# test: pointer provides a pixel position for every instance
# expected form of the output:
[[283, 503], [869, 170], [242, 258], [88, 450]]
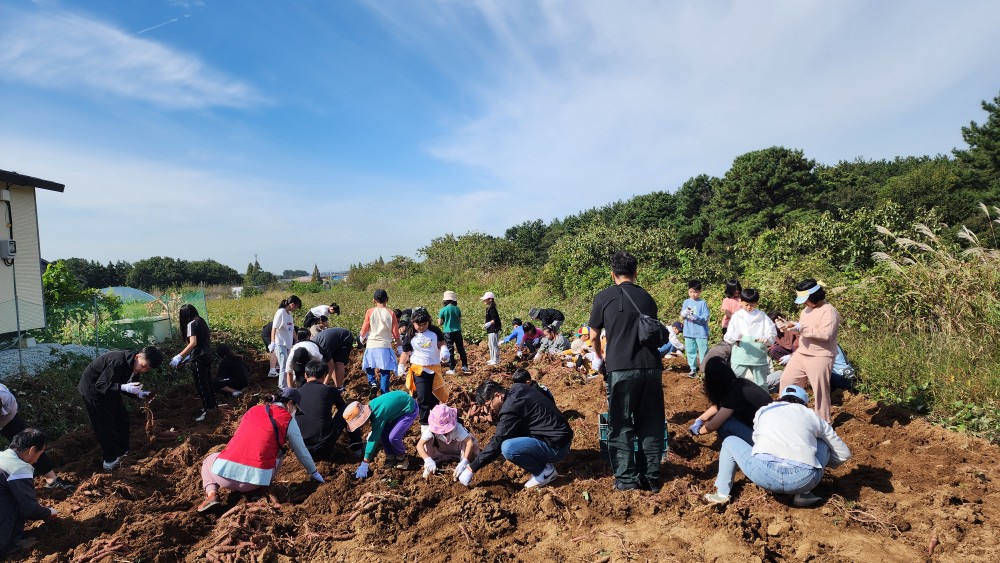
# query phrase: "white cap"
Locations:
[[487, 295]]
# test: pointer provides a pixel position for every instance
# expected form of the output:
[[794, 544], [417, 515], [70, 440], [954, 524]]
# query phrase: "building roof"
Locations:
[[30, 181]]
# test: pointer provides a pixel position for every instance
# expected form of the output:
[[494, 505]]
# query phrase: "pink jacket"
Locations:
[[819, 331]]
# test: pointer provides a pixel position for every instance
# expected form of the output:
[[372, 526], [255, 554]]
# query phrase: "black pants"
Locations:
[[425, 395], [110, 421], [454, 340], [201, 370], [322, 447], [635, 413], [16, 425]]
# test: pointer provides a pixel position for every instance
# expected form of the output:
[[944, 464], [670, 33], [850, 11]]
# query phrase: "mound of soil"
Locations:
[[912, 492]]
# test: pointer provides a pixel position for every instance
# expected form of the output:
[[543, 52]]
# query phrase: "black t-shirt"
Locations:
[[549, 316], [616, 315], [745, 398], [335, 344], [199, 329], [265, 333], [234, 372], [315, 417]]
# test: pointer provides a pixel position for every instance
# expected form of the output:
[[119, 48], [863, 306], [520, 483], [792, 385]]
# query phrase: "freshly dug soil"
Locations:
[[912, 492]]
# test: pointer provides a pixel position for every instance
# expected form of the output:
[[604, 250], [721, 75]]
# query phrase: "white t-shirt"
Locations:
[[310, 346], [284, 326], [458, 434], [425, 349], [320, 311]]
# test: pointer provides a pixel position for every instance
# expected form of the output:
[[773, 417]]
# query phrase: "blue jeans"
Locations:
[[768, 475], [382, 382], [531, 454], [696, 349], [733, 427], [666, 349]]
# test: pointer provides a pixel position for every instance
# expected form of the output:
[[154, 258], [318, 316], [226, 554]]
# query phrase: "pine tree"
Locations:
[[315, 276]]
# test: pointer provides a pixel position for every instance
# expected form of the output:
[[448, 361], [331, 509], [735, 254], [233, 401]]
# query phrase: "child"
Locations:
[[301, 353], [424, 348], [443, 439], [450, 319], [532, 338], [492, 327], [392, 415], [233, 375], [785, 343], [265, 335], [673, 344], [316, 314], [195, 332], [695, 315], [581, 351], [751, 332], [379, 331], [283, 333], [516, 334], [730, 302]]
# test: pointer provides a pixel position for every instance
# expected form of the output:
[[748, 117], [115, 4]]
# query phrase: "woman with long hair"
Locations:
[[734, 401], [194, 331], [283, 333]]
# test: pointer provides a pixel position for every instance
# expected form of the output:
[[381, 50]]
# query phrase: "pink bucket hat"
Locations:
[[442, 419]]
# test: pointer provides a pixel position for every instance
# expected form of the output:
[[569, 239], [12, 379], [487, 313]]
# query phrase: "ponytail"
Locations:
[[290, 300]]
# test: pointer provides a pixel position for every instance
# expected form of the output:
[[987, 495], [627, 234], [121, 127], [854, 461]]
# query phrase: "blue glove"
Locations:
[[317, 477], [362, 472], [696, 427]]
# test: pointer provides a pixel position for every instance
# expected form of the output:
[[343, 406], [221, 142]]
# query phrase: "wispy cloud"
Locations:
[[602, 100], [65, 51]]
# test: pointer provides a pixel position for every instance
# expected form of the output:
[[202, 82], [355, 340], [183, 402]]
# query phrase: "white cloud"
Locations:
[[600, 99], [64, 51]]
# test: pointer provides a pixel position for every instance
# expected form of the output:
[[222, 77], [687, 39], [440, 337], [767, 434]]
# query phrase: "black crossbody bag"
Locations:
[[651, 331]]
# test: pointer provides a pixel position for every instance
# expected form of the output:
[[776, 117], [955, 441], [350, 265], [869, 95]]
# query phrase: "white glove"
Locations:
[[132, 388], [462, 466], [487, 325], [362, 472], [429, 467], [445, 355], [597, 364], [317, 477], [144, 394], [52, 511], [784, 359], [270, 347], [465, 477], [176, 361]]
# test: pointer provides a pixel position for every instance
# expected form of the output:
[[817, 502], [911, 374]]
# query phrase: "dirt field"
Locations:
[[912, 492]]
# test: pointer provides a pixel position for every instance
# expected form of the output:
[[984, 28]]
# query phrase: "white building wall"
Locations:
[[29, 277]]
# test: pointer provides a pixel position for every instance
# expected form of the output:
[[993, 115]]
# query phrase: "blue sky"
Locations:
[[337, 132]]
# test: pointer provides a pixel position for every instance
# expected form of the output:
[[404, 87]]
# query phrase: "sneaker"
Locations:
[[450, 372], [273, 372], [60, 484], [693, 374], [594, 375], [716, 498], [110, 465], [236, 393], [623, 486], [651, 486], [402, 462], [201, 417], [372, 391], [547, 476], [466, 370], [391, 460], [209, 502], [805, 499]]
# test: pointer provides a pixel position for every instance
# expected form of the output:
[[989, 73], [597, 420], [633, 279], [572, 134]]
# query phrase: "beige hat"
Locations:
[[449, 296], [356, 414], [487, 295]]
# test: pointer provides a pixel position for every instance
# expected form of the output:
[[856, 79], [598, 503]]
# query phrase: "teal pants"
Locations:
[[696, 348]]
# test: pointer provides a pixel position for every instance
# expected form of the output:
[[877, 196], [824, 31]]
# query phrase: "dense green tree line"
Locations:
[[155, 272], [772, 206]]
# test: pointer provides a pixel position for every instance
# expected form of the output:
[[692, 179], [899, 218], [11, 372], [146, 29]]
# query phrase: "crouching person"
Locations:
[[320, 427], [791, 448], [531, 432], [17, 488], [253, 456], [392, 415], [445, 439]]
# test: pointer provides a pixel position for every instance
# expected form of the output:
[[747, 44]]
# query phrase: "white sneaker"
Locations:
[[273, 372], [491, 363], [548, 475], [450, 372], [110, 465], [236, 393], [201, 417]]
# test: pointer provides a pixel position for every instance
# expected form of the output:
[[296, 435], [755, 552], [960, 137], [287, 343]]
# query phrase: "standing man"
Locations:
[[17, 488], [633, 378], [102, 385]]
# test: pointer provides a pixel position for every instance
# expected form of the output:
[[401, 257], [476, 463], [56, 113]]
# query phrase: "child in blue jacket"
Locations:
[[695, 315]]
